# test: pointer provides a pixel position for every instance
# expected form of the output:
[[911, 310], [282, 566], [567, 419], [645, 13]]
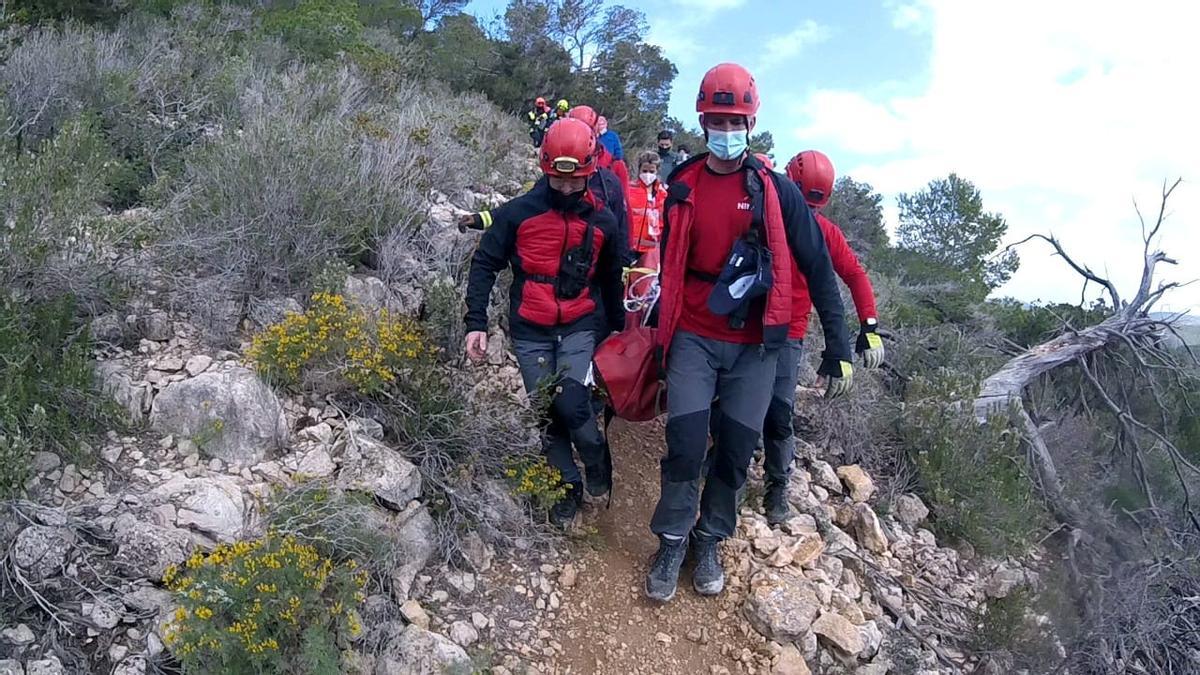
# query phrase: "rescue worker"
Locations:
[[668, 158], [560, 112], [813, 173], [609, 138], [562, 245], [731, 232], [611, 172], [646, 198], [647, 194], [537, 118], [605, 160]]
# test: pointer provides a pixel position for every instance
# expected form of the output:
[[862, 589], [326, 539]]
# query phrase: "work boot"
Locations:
[[599, 476], [564, 510], [709, 577], [775, 504], [663, 577]]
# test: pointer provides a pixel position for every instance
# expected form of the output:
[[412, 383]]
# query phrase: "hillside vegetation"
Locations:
[[249, 166]]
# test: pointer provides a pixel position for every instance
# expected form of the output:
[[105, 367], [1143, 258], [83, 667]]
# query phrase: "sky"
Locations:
[[1064, 113]]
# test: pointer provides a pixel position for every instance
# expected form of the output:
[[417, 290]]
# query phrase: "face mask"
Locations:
[[648, 178], [561, 202], [663, 152], [601, 128], [727, 145]]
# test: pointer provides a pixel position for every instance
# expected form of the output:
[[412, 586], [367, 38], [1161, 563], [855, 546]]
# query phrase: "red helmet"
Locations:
[[585, 114], [569, 149], [766, 161], [813, 172], [728, 88], [540, 102]]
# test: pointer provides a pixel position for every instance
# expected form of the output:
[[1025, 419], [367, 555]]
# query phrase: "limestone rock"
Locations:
[[417, 651], [371, 466], [273, 310], [212, 505], [464, 633], [230, 414], [781, 606], [47, 666], [197, 364], [18, 636], [41, 551], [824, 476], [44, 461], [790, 662], [568, 576], [414, 613], [134, 398], [870, 532], [911, 511], [417, 537], [1003, 581], [316, 464], [857, 481], [839, 632], [11, 667], [146, 550], [369, 293], [155, 326], [147, 599]]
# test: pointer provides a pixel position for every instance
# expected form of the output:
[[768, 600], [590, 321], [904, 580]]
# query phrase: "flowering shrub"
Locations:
[[269, 605], [368, 351], [537, 480]]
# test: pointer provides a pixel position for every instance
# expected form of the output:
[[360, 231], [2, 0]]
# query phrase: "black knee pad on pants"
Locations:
[[735, 447], [572, 404], [778, 424], [687, 439]]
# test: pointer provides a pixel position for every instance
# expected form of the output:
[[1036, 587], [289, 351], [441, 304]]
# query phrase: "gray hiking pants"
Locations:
[[697, 370], [563, 365], [779, 439]]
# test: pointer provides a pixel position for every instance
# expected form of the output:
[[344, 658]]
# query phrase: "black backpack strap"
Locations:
[[754, 188]]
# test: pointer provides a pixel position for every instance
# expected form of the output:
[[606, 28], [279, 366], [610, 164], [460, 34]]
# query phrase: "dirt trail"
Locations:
[[607, 625]]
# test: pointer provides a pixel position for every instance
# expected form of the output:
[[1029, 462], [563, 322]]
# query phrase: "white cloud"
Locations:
[[781, 48], [911, 16], [676, 31], [1061, 113]]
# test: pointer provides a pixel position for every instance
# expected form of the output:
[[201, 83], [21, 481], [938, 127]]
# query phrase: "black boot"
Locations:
[[564, 510], [663, 577], [599, 476], [775, 504], [709, 577]]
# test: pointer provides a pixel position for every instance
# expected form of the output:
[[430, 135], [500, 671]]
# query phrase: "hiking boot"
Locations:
[[599, 476], [564, 510], [663, 577], [775, 504], [709, 577]]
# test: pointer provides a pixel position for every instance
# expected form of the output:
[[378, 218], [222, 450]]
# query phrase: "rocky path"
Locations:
[[607, 624]]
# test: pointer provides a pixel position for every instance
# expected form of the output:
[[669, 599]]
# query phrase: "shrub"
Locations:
[[271, 605], [973, 474], [47, 399], [534, 479], [334, 338], [53, 242]]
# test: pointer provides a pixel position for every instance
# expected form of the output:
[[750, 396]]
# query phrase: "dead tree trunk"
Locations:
[[1130, 324]]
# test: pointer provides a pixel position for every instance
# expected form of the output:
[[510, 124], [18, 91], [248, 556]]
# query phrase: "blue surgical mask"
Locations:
[[727, 144]]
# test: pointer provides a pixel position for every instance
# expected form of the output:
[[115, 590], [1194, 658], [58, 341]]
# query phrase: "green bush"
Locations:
[[54, 242], [272, 605], [973, 475], [47, 398]]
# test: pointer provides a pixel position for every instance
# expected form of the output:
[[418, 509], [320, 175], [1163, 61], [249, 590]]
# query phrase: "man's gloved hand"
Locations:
[[474, 221], [870, 345], [838, 375]]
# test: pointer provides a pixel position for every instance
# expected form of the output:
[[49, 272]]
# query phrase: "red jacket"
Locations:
[[790, 228], [531, 237], [645, 214], [846, 264]]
